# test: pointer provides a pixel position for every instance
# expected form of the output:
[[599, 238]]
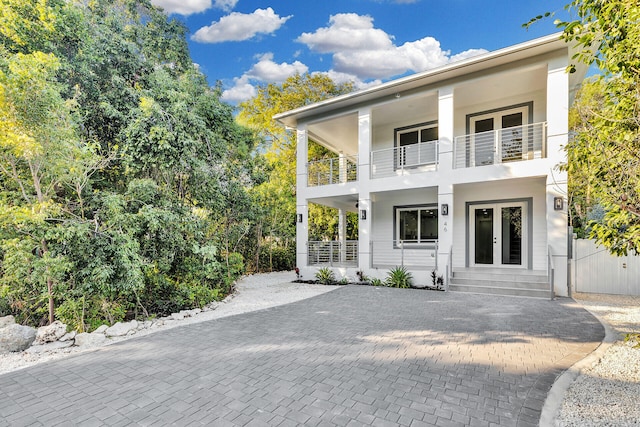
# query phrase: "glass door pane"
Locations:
[[512, 235], [483, 236], [511, 136], [484, 142]]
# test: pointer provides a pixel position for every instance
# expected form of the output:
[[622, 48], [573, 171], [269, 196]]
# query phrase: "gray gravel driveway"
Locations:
[[355, 356]]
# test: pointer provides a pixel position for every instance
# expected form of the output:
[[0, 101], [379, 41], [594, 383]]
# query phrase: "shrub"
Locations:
[[377, 282], [326, 276], [399, 277]]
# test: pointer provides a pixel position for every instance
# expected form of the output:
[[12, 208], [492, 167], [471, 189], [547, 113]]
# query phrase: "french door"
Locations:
[[498, 234], [498, 136]]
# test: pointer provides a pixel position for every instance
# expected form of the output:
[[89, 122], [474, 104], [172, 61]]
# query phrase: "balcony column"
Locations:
[[557, 137], [342, 234], [342, 167], [302, 210], [364, 197], [445, 166]]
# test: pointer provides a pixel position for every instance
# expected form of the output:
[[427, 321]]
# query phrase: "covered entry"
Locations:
[[498, 234]]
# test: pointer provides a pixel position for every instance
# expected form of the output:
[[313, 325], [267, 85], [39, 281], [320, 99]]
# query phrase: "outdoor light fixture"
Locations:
[[299, 217], [363, 214], [558, 203], [444, 209]]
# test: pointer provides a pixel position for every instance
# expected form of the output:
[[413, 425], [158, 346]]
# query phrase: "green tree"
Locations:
[[277, 195], [604, 168]]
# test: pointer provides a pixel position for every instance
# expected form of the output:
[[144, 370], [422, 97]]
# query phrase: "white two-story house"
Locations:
[[453, 169]]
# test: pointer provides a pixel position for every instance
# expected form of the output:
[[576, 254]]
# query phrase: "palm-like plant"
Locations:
[[399, 277]]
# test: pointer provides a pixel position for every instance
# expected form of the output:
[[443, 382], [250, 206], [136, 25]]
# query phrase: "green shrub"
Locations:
[[326, 276], [377, 282], [399, 277], [277, 258]]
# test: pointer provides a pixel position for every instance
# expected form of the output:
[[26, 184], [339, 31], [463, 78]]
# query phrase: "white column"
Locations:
[[364, 199], [445, 188], [342, 234], [302, 210], [557, 136], [342, 165]]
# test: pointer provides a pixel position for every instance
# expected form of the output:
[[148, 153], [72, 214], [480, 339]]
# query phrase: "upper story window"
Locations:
[[416, 144]]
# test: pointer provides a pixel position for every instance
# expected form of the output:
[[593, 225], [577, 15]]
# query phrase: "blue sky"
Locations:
[[244, 43]]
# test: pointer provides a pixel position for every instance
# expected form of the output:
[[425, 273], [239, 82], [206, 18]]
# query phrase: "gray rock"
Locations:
[[6, 321], [68, 336], [51, 333], [177, 316], [145, 325], [100, 329], [50, 346], [16, 338], [121, 329], [86, 340]]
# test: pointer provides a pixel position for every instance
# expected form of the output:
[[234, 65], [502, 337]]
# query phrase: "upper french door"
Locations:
[[498, 234], [498, 136]]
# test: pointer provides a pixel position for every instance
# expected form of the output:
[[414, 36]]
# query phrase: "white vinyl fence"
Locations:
[[595, 270]]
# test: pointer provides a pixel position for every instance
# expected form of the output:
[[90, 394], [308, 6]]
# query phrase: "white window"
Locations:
[[416, 224]]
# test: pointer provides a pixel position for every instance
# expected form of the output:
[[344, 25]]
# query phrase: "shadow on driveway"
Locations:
[[358, 356]]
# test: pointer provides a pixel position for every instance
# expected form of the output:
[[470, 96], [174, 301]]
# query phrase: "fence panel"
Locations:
[[597, 271]]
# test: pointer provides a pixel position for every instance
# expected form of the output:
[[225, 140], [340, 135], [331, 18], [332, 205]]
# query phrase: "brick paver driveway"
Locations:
[[355, 356]]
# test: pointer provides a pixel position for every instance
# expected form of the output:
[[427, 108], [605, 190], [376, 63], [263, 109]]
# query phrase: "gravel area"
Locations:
[[254, 292], [607, 393]]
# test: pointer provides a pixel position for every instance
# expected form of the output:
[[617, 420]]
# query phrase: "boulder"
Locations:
[[87, 340], [68, 336], [16, 338], [50, 346], [51, 333], [6, 321], [177, 316], [121, 329], [100, 329]]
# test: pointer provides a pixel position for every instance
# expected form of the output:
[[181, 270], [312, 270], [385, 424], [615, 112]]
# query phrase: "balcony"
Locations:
[[332, 171], [518, 143], [409, 159], [333, 253], [412, 255]]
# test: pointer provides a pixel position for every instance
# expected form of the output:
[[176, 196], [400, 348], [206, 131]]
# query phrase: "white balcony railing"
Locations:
[[333, 253], [414, 158], [332, 171], [413, 255], [512, 144]]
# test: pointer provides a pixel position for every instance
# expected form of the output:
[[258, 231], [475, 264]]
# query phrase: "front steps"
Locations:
[[514, 282]]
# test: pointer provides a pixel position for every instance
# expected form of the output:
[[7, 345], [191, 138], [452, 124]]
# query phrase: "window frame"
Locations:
[[419, 244], [418, 127]]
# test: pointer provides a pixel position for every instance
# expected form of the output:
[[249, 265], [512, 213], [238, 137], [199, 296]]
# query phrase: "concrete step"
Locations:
[[495, 281], [492, 290], [501, 283], [502, 275]]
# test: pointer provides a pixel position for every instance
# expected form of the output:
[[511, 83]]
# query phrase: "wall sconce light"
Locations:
[[444, 209], [558, 203], [299, 217], [363, 214]]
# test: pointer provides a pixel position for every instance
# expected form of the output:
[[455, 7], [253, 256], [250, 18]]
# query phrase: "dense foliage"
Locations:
[[275, 229], [603, 162], [126, 183]]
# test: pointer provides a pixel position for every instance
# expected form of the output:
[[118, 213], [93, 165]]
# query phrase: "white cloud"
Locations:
[[240, 26], [267, 70], [361, 50], [339, 78], [183, 7], [467, 54], [226, 5], [241, 91], [347, 31]]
